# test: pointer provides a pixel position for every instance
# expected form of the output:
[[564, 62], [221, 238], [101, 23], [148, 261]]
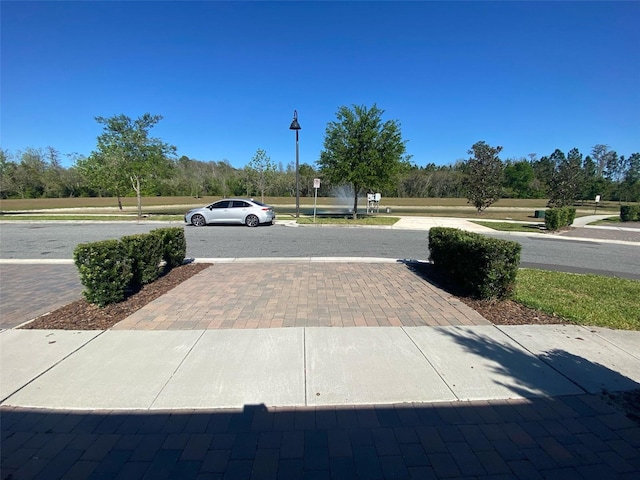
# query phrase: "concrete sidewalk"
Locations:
[[289, 367]]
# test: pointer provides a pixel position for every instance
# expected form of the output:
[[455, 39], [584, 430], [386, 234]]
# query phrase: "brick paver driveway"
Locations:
[[28, 291], [303, 294]]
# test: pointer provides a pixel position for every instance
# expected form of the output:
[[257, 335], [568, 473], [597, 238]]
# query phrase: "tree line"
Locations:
[[360, 150]]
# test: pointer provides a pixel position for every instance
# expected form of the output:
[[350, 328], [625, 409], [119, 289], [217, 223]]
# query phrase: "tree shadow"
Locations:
[[531, 375]]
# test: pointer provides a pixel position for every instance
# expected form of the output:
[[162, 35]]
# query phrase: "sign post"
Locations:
[[316, 186], [597, 201]]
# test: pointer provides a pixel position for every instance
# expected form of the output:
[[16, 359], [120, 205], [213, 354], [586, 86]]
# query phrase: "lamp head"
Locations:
[[294, 124]]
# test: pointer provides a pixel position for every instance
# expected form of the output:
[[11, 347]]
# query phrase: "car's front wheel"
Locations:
[[252, 221], [198, 220]]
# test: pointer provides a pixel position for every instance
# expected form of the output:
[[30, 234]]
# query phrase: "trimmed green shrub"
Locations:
[[629, 213], [105, 271], [552, 219], [145, 252], [484, 267], [557, 218], [174, 245]]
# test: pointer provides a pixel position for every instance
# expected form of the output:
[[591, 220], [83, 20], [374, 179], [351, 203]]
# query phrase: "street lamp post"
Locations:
[[296, 126]]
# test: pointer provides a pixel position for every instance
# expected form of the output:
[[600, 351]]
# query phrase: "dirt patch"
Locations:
[[508, 312]]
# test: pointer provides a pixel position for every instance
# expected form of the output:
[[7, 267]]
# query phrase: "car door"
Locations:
[[239, 210], [218, 212]]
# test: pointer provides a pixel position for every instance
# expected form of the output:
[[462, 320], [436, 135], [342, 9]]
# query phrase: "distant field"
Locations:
[[401, 203], [159, 207]]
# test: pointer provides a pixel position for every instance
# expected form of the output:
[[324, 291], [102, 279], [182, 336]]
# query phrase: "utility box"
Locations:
[[539, 214]]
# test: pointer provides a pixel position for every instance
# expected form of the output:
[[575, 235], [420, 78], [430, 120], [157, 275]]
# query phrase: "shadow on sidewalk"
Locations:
[[514, 362]]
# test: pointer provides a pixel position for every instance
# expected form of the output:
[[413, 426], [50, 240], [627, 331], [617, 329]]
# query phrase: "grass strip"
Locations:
[[510, 226], [93, 218], [348, 221], [583, 299]]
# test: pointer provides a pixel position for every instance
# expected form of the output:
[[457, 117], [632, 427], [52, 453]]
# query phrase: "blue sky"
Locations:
[[227, 76]]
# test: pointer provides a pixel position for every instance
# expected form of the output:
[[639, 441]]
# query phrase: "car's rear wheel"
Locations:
[[198, 220], [252, 221]]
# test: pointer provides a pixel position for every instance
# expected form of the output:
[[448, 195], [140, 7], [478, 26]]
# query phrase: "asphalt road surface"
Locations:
[[57, 241]]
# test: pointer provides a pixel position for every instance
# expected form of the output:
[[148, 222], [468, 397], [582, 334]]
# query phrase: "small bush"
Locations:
[[552, 219], [105, 271], [630, 213], [557, 218], [484, 267], [174, 245]]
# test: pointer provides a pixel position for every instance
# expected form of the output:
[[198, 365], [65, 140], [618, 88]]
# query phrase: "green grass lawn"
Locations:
[[583, 299], [510, 226]]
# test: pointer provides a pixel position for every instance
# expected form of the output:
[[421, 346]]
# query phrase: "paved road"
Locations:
[[57, 241]]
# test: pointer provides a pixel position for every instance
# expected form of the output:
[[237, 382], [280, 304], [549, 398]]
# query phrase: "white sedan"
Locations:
[[232, 210]]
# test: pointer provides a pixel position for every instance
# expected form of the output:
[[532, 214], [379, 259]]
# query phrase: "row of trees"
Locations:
[[360, 150], [561, 178]]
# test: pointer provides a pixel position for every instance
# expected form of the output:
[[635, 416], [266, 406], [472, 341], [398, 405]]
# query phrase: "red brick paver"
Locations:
[[564, 437], [310, 294], [28, 291]]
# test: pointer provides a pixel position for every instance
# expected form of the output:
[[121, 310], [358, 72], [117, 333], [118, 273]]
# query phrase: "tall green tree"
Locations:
[[483, 175], [126, 153], [631, 183], [362, 150], [518, 178], [568, 178], [261, 172]]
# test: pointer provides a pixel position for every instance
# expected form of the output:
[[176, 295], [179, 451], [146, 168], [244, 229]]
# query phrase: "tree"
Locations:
[[260, 172], [126, 153], [483, 175], [7, 174], [307, 174], [54, 174], [363, 151], [568, 178], [29, 174], [518, 178], [631, 183], [605, 160], [592, 184], [543, 169]]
